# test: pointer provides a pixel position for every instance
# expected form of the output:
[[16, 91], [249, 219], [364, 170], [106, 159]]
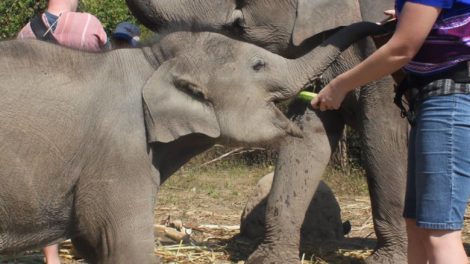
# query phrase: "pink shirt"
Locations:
[[75, 30]]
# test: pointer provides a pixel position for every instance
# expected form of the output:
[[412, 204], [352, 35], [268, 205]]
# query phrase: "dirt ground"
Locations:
[[210, 202]]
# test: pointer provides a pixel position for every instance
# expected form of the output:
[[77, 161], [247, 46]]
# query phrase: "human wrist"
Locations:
[[338, 84]]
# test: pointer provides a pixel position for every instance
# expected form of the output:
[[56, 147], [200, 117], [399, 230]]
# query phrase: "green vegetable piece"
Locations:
[[306, 96]]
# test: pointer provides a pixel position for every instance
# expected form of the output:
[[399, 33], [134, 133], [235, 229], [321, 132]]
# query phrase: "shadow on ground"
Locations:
[[347, 251]]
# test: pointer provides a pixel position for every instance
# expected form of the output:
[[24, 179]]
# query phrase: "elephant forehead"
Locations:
[[220, 50], [202, 46]]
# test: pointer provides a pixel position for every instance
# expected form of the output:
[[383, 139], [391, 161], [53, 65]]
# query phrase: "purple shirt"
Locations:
[[436, 3], [448, 43]]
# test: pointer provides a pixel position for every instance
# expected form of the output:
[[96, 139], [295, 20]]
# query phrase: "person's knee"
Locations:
[[439, 238]]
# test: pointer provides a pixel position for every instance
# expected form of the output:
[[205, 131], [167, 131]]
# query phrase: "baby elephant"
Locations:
[[87, 138]]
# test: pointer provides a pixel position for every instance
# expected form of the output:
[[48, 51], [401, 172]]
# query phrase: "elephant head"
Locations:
[[213, 85], [280, 26]]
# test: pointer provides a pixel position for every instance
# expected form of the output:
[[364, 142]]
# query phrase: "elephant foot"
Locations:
[[266, 254], [388, 256]]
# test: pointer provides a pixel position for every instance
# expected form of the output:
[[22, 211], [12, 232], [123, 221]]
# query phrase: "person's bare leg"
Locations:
[[51, 253], [444, 246], [416, 249]]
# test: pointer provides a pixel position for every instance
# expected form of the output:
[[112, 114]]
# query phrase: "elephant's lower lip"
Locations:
[[284, 123]]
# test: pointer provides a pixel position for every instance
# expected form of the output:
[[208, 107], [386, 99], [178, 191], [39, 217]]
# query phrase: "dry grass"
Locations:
[[216, 194]]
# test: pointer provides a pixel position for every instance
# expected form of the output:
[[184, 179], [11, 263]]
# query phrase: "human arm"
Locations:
[[415, 23]]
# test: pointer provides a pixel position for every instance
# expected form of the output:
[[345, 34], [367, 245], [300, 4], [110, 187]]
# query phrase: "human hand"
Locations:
[[391, 13], [329, 98]]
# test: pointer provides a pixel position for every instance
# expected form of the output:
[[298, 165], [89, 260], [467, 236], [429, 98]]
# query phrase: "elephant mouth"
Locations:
[[280, 119]]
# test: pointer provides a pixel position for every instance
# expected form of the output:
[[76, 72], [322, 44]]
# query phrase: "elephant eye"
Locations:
[[258, 64]]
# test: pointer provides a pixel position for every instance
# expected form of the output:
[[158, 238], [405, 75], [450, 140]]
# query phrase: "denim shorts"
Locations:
[[438, 186]]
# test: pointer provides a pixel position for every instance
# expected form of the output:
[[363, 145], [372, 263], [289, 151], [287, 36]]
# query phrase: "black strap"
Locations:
[[41, 31], [406, 86], [407, 92]]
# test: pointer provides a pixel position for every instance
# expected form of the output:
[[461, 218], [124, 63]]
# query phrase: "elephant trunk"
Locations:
[[306, 69], [197, 15]]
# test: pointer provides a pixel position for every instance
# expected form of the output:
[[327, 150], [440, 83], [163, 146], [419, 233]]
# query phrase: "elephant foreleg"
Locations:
[[114, 221], [384, 135], [299, 168]]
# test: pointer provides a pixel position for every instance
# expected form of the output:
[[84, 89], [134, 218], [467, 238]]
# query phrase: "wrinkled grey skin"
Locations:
[[87, 138], [291, 28]]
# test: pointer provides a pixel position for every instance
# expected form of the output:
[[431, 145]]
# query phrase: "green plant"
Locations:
[[213, 192], [14, 14], [109, 12]]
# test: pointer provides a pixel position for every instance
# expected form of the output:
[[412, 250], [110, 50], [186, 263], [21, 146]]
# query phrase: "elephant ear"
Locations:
[[175, 105], [315, 16]]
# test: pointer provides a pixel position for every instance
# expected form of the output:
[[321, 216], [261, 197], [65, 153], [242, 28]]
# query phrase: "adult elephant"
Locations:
[[291, 28], [87, 138]]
